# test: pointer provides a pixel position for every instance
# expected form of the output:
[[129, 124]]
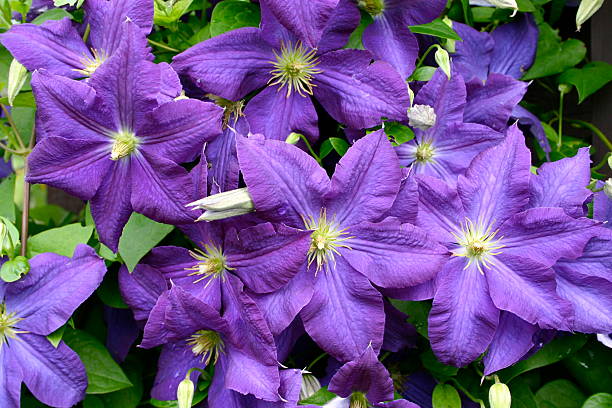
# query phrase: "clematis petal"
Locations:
[[440, 209], [342, 23], [175, 360], [286, 184], [394, 255], [535, 126], [282, 306], [357, 93], [71, 280], [161, 189], [496, 184], [563, 183], [70, 109], [358, 192], [306, 18], [447, 97], [546, 235], [275, 115], [515, 46], [54, 45], [221, 155], [491, 103], [415, 12], [513, 340], [345, 314], [56, 376], [77, 166], [402, 403], [230, 65], [405, 207], [266, 256], [177, 130], [472, 56], [141, 289], [602, 206], [528, 289], [106, 18], [122, 332], [11, 377], [111, 207], [364, 374], [463, 318], [262, 380], [389, 40]]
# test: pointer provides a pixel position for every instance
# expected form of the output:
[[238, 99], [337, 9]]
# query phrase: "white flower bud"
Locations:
[[224, 205], [586, 10], [608, 188], [310, 385], [293, 138], [508, 4], [185, 392], [17, 77], [421, 117], [499, 396]]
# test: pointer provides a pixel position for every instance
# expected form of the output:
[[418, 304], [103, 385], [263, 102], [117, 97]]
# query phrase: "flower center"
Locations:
[[422, 117], [208, 344], [478, 244], [325, 239], [92, 62], [424, 152], [231, 110], [211, 264], [373, 7], [294, 68], [7, 325], [124, 144], [358, 400]]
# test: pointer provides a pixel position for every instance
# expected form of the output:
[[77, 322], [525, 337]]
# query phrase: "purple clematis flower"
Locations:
[[503, 252], [366, 382], [509, 50], [445, 143], [58, 46], [116, 140], [602, 206], [33, 308], [388, 37], [345, 82], [351, 248], [237, 341]]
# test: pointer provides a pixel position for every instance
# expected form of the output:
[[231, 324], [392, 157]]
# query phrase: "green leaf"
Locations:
[[103, 373], [588, 79], [400, 133], [5, 14], [320, 397], [52, 14], [445, 396], [559, 394], [554, 56], [140, 235], [591, 367], [356, 36], [555, 351], [126, 398], [71, 3], [601, 400], [233, 14], [55, 337], [168, 12], [339, 145], [49, 214], [108, 292], [325, 149], [62, 240], [13, 269], [522, 397], [422, 74], [417, 314], [437, 28], [7, 192], [439, 370]]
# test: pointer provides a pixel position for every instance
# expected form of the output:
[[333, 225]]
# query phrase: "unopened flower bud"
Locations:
[[185, 392], [310, 386], [565, 88], [293, 138], [449, 44], [421, 117], [224, 205], [443, 60], [608, 188], [16, 78], [9, 237], [507, 4], [586, 10], [499, 396]]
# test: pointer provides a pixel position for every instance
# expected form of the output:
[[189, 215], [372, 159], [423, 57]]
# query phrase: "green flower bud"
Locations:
[[565, 88], [17, 77], [12, 270], [586, 10], [443, 60], [449, 44], [185, 392], [499, 396], [9, 238], [224, 205], [293, 138], [608, 188]]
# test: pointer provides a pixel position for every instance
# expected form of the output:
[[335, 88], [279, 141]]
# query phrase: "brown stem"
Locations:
[[25, 215]]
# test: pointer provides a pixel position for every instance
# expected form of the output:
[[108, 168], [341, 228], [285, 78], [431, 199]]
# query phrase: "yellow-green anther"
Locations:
[[586, 10], [17, 77], [478, 243], [124, 144], [295, 68], [443, 60], [211, 263], [224, 205], [372, 7], [293, 138], [499, 396], [310, 385], [208, 344], [185, 392], [231, 109], [358, 400], [92, 62], [424, 153], [326, 238], [7, 325]]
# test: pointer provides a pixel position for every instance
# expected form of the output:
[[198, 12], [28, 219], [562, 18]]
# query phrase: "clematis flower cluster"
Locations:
[[285, 252]]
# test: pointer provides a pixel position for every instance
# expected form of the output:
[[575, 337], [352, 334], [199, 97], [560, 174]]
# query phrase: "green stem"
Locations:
[[315, 361], [425, 54], [602, 163], [466, 392], [310, 149], [25, 215], [162, 46], [560, 131], [594, 129], [13, 125]]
